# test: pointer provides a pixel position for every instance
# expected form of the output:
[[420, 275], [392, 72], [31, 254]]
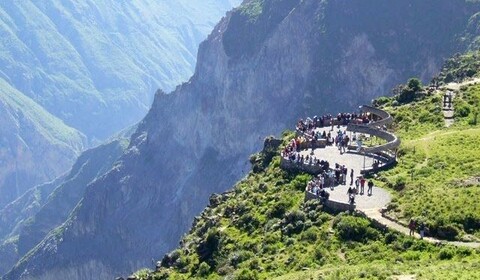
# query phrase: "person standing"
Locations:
[[370, 187], [362, 185], [351, 178], [421, 228], [412, 225]]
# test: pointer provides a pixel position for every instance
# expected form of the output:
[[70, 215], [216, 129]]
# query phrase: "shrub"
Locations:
[[246, 274], [279, 209], [449, 232], [412, 255], [203, 269], [248, 222], [207, 248], [300, 181], [446, 254], [320, 255], [293, 222], [354, 228], [239, 257], [462, 111], [310, 235], [399, 183]]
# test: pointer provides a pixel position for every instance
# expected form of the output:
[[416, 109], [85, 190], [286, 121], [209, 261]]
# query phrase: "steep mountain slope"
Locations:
[[94, 65], [31, 139], [263, 228], [101, 61], [27, 220], [305, 57]]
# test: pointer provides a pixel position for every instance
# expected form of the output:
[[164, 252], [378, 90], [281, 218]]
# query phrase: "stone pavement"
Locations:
[[380, 197]]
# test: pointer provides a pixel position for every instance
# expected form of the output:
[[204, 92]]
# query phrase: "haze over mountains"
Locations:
[[263, 66], [74, 72]]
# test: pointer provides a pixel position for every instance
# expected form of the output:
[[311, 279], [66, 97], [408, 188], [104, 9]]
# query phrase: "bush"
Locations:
[[446, 254], [300, 181], [248, 222], [462, 111], [293, 222], [310, 235], [203, 269], [207, 248], [239, 257], [279, 209], [399, 183], [449, 232], [246, 274], [351, 228]]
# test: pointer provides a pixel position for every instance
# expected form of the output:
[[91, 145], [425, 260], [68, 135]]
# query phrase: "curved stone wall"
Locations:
[[374, 128], [393, 141], [385, 117]]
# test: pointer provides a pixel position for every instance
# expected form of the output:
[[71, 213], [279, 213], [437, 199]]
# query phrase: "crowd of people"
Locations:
[[329, 178], [308, 126], [292, 153]]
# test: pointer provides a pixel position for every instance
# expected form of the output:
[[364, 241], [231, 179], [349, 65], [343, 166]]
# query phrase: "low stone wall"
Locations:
[[393, 141], [332, 205], [385, 117], [387, 160], [318, 144]]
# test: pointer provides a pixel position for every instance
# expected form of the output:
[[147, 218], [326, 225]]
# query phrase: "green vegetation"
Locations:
[[459, 67], [435, 176], [262, 229]]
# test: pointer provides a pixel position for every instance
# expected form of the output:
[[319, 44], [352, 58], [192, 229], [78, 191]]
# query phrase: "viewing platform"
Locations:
[[312, 153]]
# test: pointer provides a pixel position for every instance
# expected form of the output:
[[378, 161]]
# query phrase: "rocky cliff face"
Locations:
[[265, 65], [93, 66]]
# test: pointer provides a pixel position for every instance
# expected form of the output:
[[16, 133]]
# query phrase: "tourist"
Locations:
[[412, 225], [370, 187], [351, 178], [421, 229], [362, 184], [351, 195]]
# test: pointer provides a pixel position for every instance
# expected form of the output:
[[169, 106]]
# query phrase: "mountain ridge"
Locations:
[[196, 141]]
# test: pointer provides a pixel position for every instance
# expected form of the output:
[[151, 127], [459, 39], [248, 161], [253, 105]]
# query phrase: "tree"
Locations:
[[414, 84], [408, 92]]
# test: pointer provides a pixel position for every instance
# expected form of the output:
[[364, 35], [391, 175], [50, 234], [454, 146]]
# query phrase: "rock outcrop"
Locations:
[[288, 59]]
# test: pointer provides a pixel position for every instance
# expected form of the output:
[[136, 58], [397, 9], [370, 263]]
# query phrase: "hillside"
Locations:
[[263, 229], [104, 60], [31, 139], [95, 67], [308, 57]]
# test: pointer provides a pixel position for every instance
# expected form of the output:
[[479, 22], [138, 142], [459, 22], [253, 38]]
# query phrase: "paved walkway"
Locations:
[[369, 205], [379, 198]]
